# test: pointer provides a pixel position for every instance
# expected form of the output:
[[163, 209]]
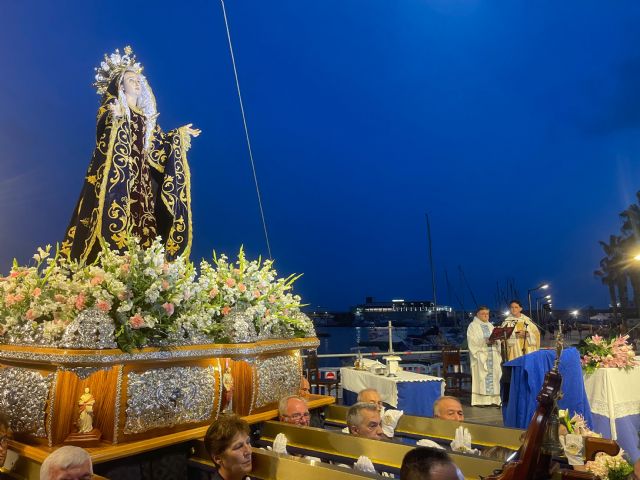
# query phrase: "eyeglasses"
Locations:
[[298, 416]]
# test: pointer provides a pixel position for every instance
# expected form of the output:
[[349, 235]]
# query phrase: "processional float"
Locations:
[[114, 337]]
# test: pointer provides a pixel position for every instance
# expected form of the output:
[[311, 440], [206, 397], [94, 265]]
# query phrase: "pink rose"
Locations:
[[103, 306], [169, 308], [230, 282], [213, 292], [14, 274], [165, 285], [226, 309], [136, 321], [30, 315], [79, 302], [18, 297], [242, 287], [97, 280], [125, 267], [36, 292], [256, 293], [165, 267]]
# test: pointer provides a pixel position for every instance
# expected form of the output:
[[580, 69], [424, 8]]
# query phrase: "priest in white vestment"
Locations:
[[525, 337], [485, 359]]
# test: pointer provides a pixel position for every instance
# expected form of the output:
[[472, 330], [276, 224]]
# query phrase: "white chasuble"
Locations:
[[486, 370]]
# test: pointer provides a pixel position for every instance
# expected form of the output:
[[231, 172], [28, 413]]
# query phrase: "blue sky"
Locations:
[[515, 125]]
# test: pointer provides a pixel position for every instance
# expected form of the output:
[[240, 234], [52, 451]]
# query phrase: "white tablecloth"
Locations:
[[357, 380], [613, 393]]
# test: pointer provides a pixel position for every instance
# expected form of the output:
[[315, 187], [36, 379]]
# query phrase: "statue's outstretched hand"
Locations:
[[116, 109], [194, 132]]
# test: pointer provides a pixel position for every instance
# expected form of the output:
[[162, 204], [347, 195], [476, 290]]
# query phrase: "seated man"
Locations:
[[67, 463], [389, 417], [448, 408], [363, 420], [293, 409], [370, 395], [424, 463], [305, 388]]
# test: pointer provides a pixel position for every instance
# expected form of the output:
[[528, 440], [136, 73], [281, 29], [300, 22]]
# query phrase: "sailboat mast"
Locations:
[[433, 273]]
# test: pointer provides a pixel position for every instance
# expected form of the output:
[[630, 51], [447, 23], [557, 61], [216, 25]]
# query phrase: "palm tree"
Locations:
[[612, 275], [631, 247]]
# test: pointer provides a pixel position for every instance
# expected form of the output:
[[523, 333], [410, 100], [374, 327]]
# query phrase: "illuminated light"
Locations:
[[575, 313], [548, 297], [398, 300], [506, 313], [545, 286], [637, 257]]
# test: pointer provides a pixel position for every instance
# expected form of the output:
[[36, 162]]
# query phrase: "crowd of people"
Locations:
[[228, 438], [228, 442]]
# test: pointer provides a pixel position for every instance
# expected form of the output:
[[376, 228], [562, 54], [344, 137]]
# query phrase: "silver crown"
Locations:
[[114, 65]]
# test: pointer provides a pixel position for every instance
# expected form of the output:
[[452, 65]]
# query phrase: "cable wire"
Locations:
[[246, 130]]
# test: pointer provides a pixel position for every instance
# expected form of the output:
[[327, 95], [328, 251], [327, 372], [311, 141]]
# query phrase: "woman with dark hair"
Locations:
[[138, 181], [228, 443]]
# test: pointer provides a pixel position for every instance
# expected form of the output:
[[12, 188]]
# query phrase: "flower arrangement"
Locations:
[[600, 353], [148, 298], [252, 288], [575, 424], [606, 467]]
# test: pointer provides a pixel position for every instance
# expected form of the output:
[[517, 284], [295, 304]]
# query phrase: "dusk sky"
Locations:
[[515, 125]]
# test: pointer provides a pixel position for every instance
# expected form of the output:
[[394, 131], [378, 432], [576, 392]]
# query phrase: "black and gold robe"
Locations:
[[132, 190]]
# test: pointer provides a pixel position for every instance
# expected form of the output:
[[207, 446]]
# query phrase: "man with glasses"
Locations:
[[293, 409], [370, 395], [389, 417]]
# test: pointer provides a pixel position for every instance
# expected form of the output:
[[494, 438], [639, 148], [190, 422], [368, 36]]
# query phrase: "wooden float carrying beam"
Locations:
[[271, 466], [438, 429], [31, 456], [385, 455]]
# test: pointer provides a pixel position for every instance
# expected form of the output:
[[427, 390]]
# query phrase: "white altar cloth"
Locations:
[[357, 380], [613, 393]]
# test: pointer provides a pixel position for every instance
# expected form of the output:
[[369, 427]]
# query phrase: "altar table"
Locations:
[[614, 396], [527, 377], [412, 392]]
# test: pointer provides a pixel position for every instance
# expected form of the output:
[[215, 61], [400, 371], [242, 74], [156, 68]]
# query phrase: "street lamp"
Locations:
[[542, 286], [544, 299]]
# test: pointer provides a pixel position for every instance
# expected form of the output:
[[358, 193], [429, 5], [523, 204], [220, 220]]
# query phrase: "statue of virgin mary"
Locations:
[[138, 181]]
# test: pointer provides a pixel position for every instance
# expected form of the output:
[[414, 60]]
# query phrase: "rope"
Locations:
[[246, 130]]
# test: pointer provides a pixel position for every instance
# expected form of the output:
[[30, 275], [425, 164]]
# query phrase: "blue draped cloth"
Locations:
[[527, 377]]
